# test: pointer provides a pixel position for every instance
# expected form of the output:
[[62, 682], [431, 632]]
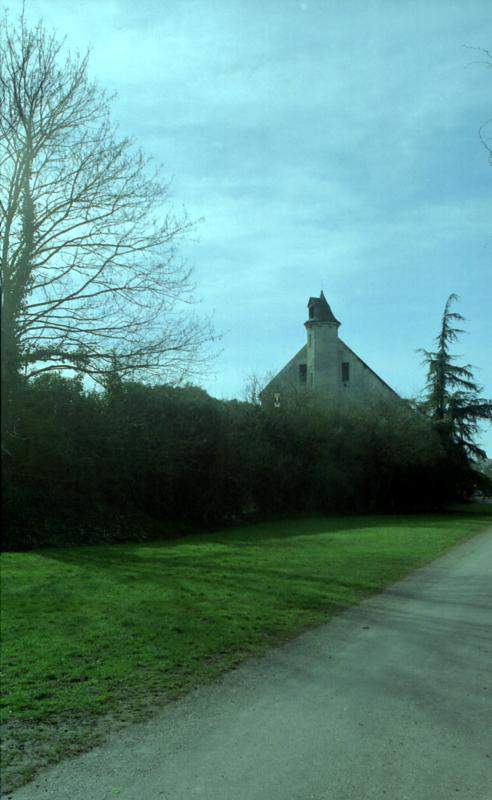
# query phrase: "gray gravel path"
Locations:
[[391, 699]]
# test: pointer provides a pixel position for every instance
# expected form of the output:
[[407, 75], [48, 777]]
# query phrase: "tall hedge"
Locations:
[[138, 461]]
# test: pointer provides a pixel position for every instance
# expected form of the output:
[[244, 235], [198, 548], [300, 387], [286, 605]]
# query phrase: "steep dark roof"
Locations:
[[322, 310]]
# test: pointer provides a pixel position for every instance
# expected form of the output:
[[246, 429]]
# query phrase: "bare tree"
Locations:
[[253, 386], [484, 132], [90, 274]]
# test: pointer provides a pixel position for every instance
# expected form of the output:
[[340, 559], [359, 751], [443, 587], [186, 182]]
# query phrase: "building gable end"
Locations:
[[363, 363]]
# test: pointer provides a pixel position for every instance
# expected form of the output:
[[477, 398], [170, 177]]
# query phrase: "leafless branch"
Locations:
[[89, 261]]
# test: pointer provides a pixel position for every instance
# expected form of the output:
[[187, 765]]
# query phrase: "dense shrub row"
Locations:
[[88, 466]]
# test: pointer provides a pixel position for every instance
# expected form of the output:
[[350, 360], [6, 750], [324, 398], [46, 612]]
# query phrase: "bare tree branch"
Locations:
[[89, 263]]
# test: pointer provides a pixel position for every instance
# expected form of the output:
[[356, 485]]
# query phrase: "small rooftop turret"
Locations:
[[320, 311]]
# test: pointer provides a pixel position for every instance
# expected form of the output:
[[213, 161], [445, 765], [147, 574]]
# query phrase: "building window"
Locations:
[[303, 373], [276, 400], [311, 312], [345, 371]]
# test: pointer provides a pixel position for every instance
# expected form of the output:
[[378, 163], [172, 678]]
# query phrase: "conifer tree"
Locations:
[[452, 396]]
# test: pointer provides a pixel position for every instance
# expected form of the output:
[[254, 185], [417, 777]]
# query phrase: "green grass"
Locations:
[[93, 636]]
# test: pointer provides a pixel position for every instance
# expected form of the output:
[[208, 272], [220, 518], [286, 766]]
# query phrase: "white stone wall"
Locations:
[[322, 355], [287, 381], [363, 383]]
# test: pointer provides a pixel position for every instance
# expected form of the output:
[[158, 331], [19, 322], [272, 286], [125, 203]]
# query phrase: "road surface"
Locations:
[[391, 699]]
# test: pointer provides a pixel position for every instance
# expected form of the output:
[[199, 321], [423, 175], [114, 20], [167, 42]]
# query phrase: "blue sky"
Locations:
[[325, 145]]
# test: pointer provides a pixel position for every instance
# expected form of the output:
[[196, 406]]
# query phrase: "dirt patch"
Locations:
[[30, 745]]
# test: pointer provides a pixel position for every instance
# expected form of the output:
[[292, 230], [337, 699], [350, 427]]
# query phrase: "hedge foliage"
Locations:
[[138, 461]]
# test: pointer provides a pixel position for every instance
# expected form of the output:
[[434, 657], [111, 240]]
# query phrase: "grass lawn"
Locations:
[[94, 637]]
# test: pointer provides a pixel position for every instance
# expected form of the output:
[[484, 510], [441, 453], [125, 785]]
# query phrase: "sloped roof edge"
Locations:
[[369, 368]]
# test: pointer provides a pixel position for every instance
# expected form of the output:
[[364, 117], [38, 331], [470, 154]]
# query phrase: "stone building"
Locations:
[[325, 367]]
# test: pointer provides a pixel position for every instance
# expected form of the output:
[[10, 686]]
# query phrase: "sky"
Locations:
[[325, 144]]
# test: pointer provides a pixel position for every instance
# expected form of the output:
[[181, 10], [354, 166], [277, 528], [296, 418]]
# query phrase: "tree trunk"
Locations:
[[14, 292]]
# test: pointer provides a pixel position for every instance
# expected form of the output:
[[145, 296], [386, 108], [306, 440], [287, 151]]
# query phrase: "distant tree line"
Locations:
[[137, 461]]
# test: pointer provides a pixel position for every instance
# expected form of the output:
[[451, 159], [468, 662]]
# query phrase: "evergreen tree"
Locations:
[[452, 395]]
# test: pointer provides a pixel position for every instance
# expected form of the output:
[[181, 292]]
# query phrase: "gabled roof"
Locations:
[[369, 368]]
